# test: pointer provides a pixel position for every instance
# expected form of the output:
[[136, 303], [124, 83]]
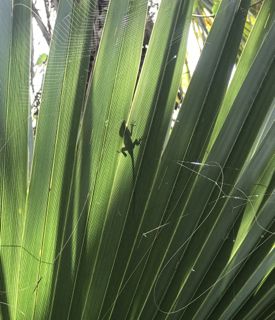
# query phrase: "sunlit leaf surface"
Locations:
[[120, 212]]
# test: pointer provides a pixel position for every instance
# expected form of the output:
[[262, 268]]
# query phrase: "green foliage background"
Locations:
[[192, 237]]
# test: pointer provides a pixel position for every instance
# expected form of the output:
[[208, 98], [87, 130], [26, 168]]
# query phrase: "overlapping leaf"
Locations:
[[185, 229]]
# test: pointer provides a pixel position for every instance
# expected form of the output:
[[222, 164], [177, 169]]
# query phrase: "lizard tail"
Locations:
[[133, 170], [134, 180]]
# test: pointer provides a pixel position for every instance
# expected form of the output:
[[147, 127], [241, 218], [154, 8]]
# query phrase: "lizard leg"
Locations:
[[137, 142], [123, 151]]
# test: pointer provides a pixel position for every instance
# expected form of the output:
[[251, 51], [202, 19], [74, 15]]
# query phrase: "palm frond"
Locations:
[[119, 215]]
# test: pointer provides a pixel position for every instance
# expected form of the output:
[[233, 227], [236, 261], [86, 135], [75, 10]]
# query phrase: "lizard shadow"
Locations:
[[129, 144]]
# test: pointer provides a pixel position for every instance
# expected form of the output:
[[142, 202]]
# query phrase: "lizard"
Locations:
[[129, 144]]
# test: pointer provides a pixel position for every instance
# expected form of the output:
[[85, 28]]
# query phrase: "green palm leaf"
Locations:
[[180, 228]]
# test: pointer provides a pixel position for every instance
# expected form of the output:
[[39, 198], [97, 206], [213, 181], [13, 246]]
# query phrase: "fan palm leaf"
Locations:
[[180, 224]]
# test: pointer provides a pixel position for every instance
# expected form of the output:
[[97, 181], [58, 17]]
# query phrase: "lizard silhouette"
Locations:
[[129, 144]]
